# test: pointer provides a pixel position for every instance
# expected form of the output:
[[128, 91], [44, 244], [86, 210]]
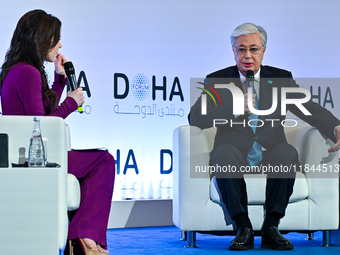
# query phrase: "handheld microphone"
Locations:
[[71, 75], [250, 78], [250, 81]]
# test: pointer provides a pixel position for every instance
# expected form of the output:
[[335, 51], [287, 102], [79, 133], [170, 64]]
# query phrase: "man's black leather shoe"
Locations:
[[272, 239], [244, 240]]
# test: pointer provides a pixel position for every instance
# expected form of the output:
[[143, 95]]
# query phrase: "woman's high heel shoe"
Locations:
[[78, 247], [69, 248], [88, 251]]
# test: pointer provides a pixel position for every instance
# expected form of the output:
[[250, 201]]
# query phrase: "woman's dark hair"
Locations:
[[36, 33]]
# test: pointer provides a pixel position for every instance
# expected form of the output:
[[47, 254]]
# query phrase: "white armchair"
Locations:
[[34, 201], [313, 206]]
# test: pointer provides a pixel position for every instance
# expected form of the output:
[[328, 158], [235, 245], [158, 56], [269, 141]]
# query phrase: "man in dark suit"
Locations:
[[249, 140]]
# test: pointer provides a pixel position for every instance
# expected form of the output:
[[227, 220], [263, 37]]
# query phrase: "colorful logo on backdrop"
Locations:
[[132, 95]]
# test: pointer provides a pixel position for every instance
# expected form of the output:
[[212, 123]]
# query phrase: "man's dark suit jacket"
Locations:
[[271, 133]]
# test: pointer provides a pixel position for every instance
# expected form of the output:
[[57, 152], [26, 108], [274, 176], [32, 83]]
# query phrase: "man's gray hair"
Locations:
[[247, 29]]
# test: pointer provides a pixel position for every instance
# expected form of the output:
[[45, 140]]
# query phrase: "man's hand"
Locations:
[[246, 108], [336, 146]]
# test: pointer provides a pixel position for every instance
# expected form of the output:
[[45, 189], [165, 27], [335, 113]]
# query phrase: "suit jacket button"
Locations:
[[255, 138]]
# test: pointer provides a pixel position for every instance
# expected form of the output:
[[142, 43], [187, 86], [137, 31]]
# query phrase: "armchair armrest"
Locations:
[[187, 188], [321, 170], [43, 189]]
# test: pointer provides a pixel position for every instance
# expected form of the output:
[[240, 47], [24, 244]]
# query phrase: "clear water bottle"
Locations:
[[36, 149]]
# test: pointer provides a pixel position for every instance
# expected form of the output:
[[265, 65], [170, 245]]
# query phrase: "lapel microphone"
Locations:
[[71, 75]]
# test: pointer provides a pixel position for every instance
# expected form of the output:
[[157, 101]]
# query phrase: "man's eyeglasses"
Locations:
[[252, 50]]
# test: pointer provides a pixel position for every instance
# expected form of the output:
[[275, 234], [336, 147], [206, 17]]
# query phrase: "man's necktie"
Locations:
[[255, 154]]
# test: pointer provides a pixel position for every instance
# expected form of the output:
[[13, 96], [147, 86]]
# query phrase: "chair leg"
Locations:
[[326, 238], [191, 236], [310, 236], [184, 236]]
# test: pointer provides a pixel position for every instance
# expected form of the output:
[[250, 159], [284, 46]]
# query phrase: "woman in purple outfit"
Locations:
[[25, 91]]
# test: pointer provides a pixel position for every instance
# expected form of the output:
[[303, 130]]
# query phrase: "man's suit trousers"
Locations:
[[279, 184]]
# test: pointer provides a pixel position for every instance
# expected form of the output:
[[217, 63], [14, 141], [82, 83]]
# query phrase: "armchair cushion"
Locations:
[[256, 187], [73, 193]]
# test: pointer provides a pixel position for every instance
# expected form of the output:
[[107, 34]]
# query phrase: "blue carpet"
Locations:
[[166, 240]]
